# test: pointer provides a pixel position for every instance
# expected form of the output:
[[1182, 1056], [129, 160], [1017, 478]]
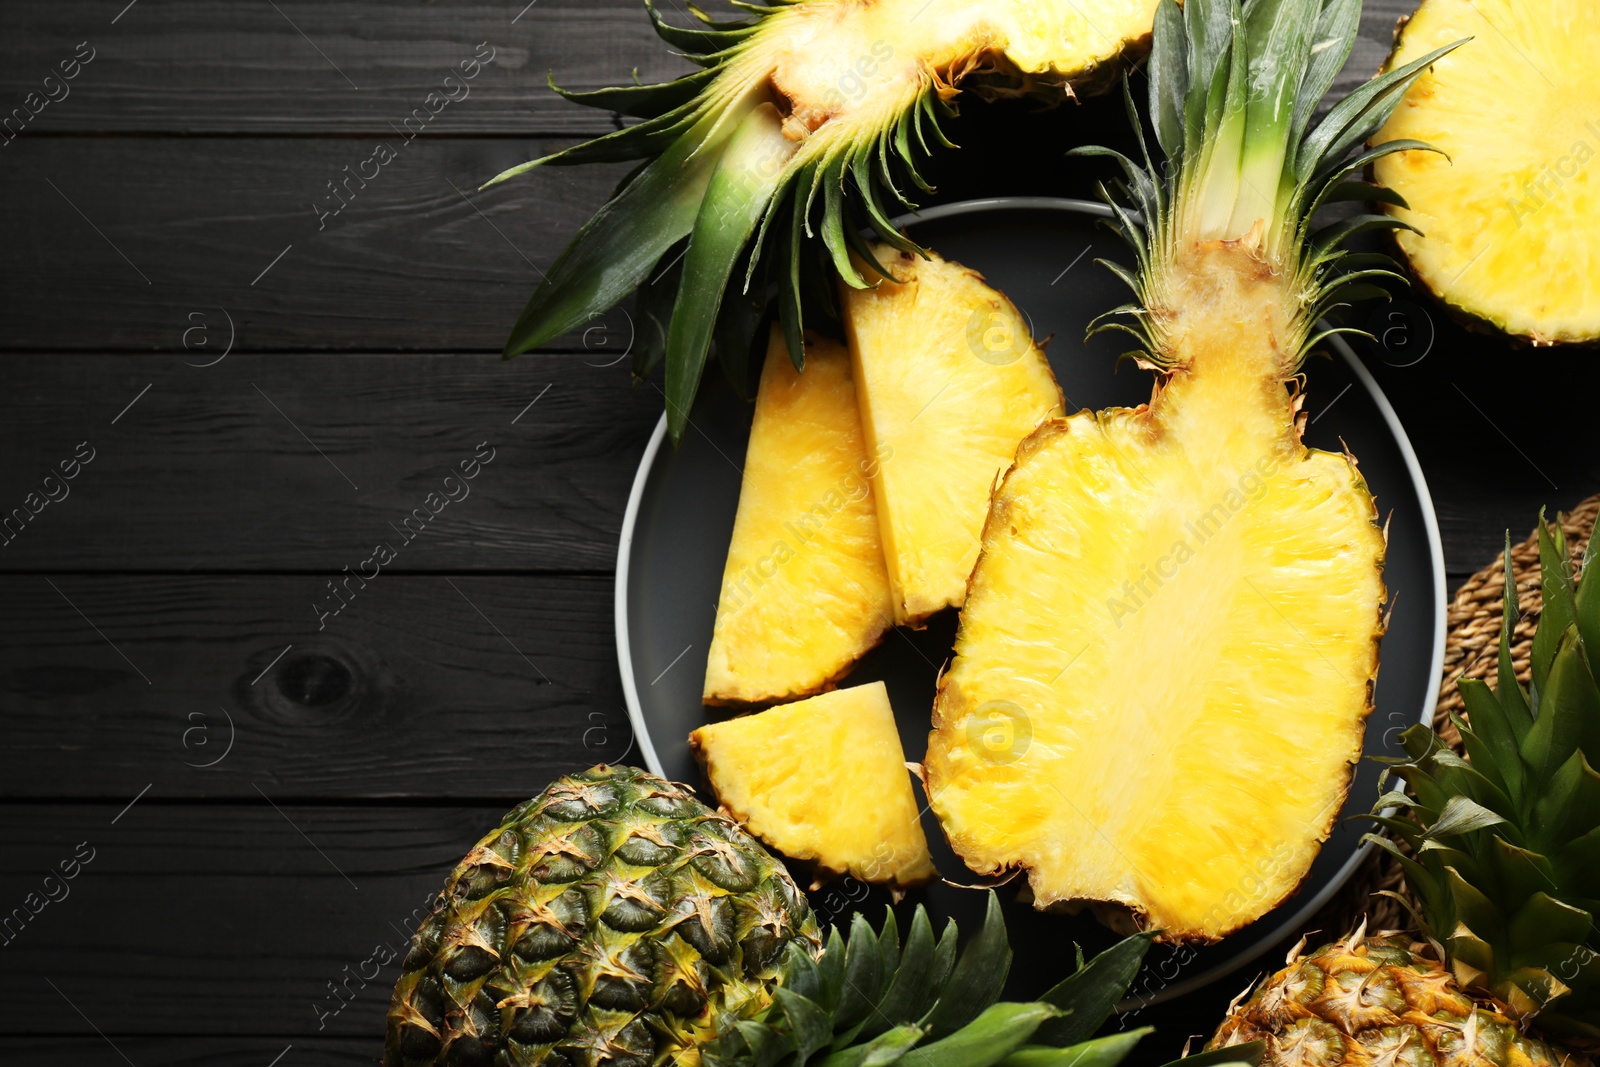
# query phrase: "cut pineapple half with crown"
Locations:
[[1167, 655], [949, 381], [1509, 212], [823, 780], [804, 592]]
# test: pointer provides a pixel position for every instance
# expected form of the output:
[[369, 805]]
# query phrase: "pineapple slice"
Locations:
[[804, 592], [1509, 212], [1167, 655], [949, 381], [823, 780]]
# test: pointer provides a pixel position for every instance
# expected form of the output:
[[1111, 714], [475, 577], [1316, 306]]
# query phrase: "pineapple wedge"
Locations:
[[949, 381], [823, 780], [804, 592]]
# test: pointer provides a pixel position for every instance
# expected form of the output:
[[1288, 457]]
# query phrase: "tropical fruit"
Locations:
[[1509, 211], [1166, 658], [1378, 1000], [950, 380], [823, 780], [1501, 854], [804, 591], [802, 121], [614, 921]]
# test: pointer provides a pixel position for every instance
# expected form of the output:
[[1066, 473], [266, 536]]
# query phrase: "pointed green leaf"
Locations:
[[1507, 689], [988, 1039], [979, 975], [911, 981], [766, 1045], [1087, 997], [750, 171], [1569, 708], [863, 974], [1245, 1054], [1462, 815], [944, 962], [1491, 726], [1105, 1051], [810, 1028], [1559, 610], [642, 101], [888, 1047], [1335, 35], [1541, 921], [1586, 604], [1169, 79]]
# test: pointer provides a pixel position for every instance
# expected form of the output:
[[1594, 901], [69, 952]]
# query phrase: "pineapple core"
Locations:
[[950, 381], [1165, 661], [823, 780], [804, 592]]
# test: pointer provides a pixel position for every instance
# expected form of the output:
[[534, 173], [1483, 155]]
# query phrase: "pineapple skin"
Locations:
[[805, 593], [949, 381], [823, 781], [1264, 629], [612, 920], [1378, 1000]]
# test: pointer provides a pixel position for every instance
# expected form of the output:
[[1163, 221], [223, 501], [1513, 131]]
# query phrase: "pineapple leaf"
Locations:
[[1462, 815], [1559, 610], [979, 975], [912, 978], [810, 1028], [881, 1051], [699, 42], [1247, 1054], [615, 250], [1101, 1052], [735, 330], [641, 101], [863, 974], [1087, 997], [766, 1047], [998, 1031], [1586, 605], [1513, 701], [1493, 729], [1169, 82], [1569, 708], [1474, 910], [1330, 46], [652, 310], [944, 962], [748, 173], [1566, 806]]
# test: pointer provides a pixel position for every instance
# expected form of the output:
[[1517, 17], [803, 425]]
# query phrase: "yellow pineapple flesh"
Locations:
[[1508, 207], [1165, 660], [823, 780], [804, 591], [949, 381]]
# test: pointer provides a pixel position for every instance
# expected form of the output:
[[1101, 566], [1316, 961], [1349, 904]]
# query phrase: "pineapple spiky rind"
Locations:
[[807, 120], [615, 921], [1502, 849]]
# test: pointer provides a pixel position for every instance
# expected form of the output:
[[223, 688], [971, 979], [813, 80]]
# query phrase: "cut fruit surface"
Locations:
[[949, 381], [1509, 214], [1162, 670], [804, 592], [823, 780]]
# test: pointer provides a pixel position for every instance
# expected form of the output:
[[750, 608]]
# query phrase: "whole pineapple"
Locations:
[[615, 921], [1502, 855]]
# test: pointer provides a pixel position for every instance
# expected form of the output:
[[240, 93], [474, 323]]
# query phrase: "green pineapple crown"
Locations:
[[1503, 847], [1233, 92], [868, 1001], [716, 221]]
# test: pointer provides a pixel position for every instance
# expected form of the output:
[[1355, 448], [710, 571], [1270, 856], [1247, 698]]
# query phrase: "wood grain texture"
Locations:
[[418, 258], [190, 67], [421, 687], [302, 462], [196, 67]]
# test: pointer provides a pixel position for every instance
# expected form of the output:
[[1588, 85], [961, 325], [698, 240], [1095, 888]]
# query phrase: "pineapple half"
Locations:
[[823, 780], [806, 119], [804, 591], [1166, 658], [1510, 212], [950, 381]]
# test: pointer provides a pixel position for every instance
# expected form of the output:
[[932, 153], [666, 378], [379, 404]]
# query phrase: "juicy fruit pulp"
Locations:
[[802, 123], [949, 381], [804, 591], [1167, 653], [1376, 1001], [823, 780], [1509, 214], [611, 920], [1163, 667]]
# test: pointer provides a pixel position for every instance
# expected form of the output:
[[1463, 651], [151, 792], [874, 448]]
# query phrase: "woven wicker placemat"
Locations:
[[1472, 646]]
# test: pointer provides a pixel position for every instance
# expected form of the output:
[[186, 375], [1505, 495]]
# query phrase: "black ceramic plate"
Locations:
[[1041, 253]]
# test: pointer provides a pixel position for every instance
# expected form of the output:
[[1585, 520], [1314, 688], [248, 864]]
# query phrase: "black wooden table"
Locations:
[[257, 368]]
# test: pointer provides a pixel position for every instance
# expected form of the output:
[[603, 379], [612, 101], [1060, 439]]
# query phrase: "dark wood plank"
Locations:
[[179, 67], [302, 462], [197, 67], [421, 687], [184, 1051], [102, 257]]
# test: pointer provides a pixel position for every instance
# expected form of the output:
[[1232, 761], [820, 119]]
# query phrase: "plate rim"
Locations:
[[1419, 483]]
